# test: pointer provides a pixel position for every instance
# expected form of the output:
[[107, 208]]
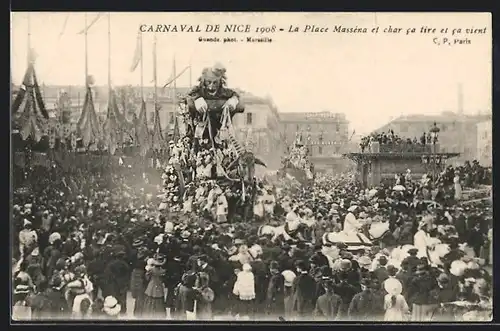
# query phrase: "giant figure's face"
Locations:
[[211, 84]]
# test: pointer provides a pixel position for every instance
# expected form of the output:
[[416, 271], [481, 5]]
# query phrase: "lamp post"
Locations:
[[434, 132]]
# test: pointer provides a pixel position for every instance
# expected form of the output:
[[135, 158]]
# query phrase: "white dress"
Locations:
[[420, 241], [351, 224], [396, 312], [458, 188]]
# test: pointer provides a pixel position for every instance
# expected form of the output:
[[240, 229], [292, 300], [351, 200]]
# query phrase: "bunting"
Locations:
[[137, 53], [142, 131], [88, 126], [111, 126], [29, 107], [157, 138]]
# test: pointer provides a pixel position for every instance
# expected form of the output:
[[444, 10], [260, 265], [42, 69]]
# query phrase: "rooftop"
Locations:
[[447, 116], [312, 116]]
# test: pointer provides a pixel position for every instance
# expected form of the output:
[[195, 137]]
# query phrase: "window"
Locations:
[[337, 127], [320, 150], [298, 127], [249, 118], [337, 149]]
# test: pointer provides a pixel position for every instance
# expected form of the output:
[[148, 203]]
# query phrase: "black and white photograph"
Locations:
[[257, 166]]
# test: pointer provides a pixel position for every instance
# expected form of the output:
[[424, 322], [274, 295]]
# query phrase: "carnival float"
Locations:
[[207, 162], [296, 165]]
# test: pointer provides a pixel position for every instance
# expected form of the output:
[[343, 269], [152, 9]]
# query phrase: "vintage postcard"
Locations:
[[251, 166]]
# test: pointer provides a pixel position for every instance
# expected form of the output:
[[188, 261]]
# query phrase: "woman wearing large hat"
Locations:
[[154, 295], [396, 308], [137, 278]]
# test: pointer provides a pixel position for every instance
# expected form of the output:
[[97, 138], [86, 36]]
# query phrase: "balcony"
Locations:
[[400, 148]]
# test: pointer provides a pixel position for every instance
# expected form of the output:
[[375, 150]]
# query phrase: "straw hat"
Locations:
[[393, 286], [111, 306], [364, 261], [289, 277], [137, 243]]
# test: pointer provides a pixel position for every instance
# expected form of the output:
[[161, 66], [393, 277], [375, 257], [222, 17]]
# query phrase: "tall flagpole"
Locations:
[[174, 98], [109, 51], [155, 80], [86, 56], [462, 120], [29, 40], [142, 69]]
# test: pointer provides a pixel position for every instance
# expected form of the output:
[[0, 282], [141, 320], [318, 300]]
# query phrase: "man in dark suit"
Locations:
[[412, 260], [212, 274], [381, 272], [367, 305], [275, 298], [303, 291], [404, 276], [328, 304]]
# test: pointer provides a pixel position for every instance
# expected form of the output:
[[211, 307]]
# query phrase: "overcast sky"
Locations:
[[369, 77]]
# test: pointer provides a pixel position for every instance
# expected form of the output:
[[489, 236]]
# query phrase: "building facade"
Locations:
[[458, 133], [261, 117], [485, 143], [326, 134]]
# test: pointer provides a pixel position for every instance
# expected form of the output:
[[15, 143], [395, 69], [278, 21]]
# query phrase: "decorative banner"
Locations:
[[326, 143]]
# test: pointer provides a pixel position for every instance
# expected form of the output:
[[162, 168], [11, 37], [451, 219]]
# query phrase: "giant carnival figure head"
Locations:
[[212, 79]]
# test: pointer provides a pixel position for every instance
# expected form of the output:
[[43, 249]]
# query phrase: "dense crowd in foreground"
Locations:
[[86, 240]]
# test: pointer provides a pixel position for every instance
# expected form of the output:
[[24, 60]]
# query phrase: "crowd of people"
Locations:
[[87, 241], [391, 138], [194, 241]]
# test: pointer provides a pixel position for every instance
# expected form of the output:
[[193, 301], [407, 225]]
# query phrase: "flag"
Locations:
[[88, 125], [87, 28], [157, 138], [142, 131], [137, 54], [29, 104], [111, 126], [172, 79]]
